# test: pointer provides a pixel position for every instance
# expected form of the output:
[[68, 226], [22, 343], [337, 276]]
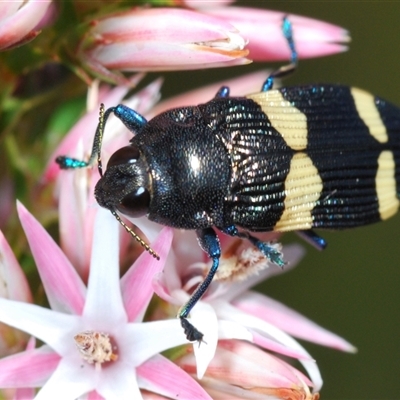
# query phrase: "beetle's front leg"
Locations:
[[209, 242], [268, 249]]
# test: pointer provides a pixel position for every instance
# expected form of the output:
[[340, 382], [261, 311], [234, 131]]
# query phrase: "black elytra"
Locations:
[[288, 159]]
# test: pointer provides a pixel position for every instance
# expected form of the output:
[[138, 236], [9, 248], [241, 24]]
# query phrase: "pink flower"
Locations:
[[240, 371], [228, 310], [163, 39], [94, 338], [18, 20], [160, 39], [262, 29]]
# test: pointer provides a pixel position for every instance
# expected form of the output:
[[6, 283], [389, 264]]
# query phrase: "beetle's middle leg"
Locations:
[[267, 249]]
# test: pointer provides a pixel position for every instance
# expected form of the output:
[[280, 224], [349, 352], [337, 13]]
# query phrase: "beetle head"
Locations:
[[125, 184]]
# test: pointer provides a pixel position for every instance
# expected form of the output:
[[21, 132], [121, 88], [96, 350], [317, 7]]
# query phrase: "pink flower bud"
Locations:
[[161, 39], [18, 20], [263, 30]]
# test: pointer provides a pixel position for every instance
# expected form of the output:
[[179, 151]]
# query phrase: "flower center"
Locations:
[[95, 347]]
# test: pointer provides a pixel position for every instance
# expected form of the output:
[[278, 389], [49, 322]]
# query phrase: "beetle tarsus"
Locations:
[[192, 334], [268, 249], [70, 163]]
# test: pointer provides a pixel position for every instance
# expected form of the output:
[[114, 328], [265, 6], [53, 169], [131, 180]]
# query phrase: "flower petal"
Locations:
[[231, 313], [25, 19], [149, 374], [13, 283], [64, 288], [263, 30], [120, 383], [29, 392], [53, 328], [161, 289], [144, 340], [205, 3], [104, 306], [77, 211], [203, 317], [30, 368], [24, 394], [281, 374], [160, 39], [65, 383], [8, 8], [272, 345], [169, 25], [153, 56], [244, 365], [136, 284], [289, 320], [232, 330]]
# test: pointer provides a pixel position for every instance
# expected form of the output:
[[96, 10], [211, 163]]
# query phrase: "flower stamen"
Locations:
[[95, 347]]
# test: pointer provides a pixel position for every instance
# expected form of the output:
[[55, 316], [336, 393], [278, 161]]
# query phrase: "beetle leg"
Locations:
[[66, 162], [285, 69], [130, 118], [222, 92], [313, 239], [267, 249], [209, 242]]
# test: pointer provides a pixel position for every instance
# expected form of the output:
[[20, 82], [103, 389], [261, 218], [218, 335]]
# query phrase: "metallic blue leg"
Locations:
[[66, 162], [313, 239], [209, 242], [130, 118], [223, 92], [270, 252], [286, 69]]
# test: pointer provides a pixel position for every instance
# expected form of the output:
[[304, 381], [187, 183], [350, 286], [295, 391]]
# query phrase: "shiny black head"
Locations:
[[124, 187]]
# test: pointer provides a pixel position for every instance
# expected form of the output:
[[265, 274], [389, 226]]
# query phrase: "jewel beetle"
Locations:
[[288, 159]]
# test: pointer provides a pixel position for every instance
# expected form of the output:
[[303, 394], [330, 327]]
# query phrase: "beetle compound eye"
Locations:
[[125, 155], [135, 204]]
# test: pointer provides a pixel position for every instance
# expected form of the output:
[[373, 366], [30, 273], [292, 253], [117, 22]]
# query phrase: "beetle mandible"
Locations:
[[291, 159]]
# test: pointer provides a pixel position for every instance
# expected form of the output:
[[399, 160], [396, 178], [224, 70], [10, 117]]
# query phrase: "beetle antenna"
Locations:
[[71, 163], [98, 137], [135, 236]]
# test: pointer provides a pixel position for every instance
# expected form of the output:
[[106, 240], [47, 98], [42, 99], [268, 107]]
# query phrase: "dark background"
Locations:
[[352, 288]]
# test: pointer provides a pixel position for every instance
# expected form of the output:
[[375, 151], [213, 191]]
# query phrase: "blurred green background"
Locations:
[[352, 288]]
